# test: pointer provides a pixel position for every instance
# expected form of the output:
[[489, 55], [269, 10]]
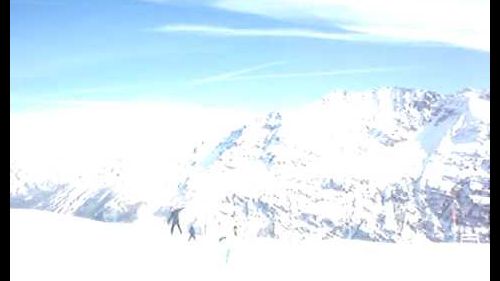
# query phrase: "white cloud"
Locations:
[[267, 32], [316, 73], [238, 75], [232, 74], [464, 23], [80, 137]]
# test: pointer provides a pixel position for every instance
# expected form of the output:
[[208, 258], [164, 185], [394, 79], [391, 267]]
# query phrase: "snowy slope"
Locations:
[[48, 246], [390, 165]]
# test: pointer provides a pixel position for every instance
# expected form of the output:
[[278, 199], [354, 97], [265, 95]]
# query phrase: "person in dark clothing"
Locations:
[[191, 233], [174, 219]]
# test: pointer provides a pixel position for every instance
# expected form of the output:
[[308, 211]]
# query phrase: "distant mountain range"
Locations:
[[391, 164]]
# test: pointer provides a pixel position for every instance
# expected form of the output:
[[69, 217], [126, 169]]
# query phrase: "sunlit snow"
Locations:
[[47, 246]]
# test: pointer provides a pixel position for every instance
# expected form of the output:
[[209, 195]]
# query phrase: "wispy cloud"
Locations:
[[104, 89], [240, 76], [233, 74], [267, 32], [464, 23], [319, 73]]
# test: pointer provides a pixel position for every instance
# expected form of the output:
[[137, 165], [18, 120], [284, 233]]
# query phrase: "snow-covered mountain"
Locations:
[[391, 164], [99, 200]]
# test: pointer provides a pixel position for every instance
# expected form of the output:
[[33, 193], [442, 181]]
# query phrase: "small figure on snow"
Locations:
[[191, 233], [174, 219]]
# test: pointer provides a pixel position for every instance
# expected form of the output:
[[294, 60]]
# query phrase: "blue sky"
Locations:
[[258, 53]]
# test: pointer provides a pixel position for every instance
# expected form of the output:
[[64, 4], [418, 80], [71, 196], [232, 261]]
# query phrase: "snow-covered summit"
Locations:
[[367, 165]]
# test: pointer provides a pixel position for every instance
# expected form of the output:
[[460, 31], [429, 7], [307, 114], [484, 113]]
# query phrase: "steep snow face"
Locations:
[[457, 175], [389, 165]]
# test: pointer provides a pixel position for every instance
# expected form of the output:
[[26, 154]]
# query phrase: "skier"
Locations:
[[192, 230], [191, 233], [174, 219]]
